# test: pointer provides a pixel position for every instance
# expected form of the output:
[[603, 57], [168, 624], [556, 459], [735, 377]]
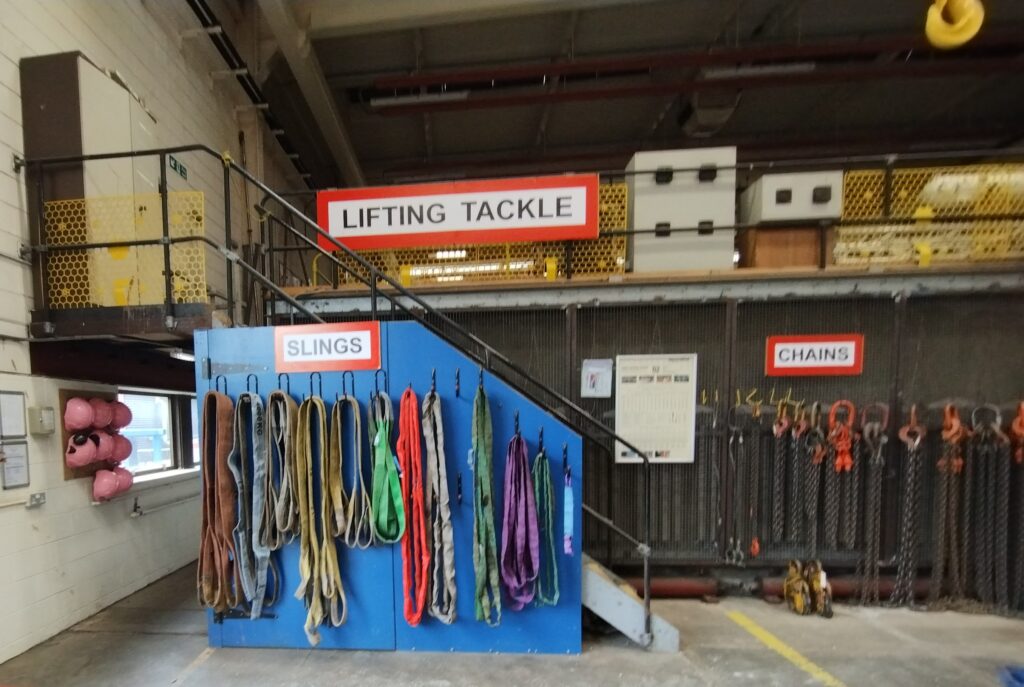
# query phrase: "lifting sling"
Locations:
[[520, 550], [248, 464], [415, 553], [441, 590], [485, 557], [282, 418], [320, 577], [544, 497], [352, 519], [388, 513], [217, 578]]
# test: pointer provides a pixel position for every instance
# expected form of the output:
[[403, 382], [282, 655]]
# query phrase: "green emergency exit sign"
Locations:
[[178, 167]]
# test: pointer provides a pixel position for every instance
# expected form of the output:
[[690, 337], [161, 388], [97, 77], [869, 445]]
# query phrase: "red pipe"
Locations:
[[845, 587], [695, 58], [677, 587]]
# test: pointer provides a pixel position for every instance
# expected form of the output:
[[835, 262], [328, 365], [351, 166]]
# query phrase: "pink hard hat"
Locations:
[[80, 451], [104, 485], [125, 479], [104, 414], [104, 445], [78, 414], [122, 448], [122, 415]]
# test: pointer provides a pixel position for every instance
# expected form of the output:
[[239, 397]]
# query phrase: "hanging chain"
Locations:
[[1002, 524], [780, 430], [840, 443], [815, 448], [850, 485], [794, 500], [874, 439], [947, 504], [754, 484], [912, 437], [1017, 434], [703, 440]]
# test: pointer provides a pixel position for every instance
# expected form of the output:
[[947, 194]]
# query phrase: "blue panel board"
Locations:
[[413, 353], [373, 578], [366, 574]]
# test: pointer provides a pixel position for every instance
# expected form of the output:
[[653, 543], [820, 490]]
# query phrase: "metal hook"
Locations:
[[376, 380], [287, 382], [458, 383], [566, 470], [481, 378], [320, 381], [255, 381], [540, 441], [345, 389], [516, 420], [216, 383], [433, 380]]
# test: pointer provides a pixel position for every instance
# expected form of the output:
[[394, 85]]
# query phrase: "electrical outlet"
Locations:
[[35, 500]]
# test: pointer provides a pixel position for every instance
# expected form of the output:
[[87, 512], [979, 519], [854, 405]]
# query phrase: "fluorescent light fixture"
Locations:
[[419, 99], [712, 73], [450, 254], [182, 354]]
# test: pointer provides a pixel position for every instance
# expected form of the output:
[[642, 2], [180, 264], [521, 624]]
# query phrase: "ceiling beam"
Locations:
[[334, 19], [305, 67]]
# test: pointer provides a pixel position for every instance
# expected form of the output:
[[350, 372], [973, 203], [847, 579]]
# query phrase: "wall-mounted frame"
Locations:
[[14, 474], [12, 415]]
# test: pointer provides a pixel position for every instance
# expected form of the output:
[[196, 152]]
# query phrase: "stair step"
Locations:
[[616, 602]]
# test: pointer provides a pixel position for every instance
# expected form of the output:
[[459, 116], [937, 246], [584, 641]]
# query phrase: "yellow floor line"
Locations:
[[196, 662], [785, 650]]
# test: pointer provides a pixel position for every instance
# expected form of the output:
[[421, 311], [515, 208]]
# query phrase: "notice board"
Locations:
[[655, 402]]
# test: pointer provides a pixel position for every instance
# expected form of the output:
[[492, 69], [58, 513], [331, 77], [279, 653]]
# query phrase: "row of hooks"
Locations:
[[252, 383]]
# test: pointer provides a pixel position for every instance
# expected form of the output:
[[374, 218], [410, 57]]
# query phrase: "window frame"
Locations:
[[180, 407]]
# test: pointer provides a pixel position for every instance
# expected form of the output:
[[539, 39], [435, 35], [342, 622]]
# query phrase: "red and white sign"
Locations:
[[551, 208], [313, 347], [814, 355]]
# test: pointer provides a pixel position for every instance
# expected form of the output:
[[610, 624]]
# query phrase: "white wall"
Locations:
[[66, 560]]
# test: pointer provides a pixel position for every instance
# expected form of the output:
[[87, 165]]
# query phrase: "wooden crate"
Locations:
[[784, 247]]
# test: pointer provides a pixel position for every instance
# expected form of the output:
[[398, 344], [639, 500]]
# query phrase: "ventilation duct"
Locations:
[[706, 112]]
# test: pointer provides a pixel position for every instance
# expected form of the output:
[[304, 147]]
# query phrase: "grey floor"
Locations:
[[157, 637]]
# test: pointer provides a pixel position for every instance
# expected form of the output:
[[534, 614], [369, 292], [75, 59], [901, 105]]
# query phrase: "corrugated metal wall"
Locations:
[[926, 350]]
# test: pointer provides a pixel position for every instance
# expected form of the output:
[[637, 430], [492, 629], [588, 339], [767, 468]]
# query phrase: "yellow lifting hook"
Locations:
[[951, 23]]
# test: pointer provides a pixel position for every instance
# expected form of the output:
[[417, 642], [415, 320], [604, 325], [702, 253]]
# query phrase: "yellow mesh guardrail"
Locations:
[[105, 277], [933, 193], [506, 261]]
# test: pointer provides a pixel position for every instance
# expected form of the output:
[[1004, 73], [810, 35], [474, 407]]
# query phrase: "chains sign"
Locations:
[[340, 346], [814, 355]]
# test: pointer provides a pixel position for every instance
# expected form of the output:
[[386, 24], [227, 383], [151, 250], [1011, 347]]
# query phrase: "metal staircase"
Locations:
[[604, 593]]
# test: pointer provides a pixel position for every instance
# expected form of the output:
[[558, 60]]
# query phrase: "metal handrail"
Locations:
[[486, 355]]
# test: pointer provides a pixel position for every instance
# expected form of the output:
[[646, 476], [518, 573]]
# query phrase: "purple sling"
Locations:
[[520, 546]]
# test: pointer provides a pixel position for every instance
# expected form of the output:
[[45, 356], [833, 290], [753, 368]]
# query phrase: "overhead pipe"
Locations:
[[870, 71], [660, 61]]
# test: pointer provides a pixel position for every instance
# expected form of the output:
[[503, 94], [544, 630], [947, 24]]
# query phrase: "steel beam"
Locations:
[[305, 67], [333, 19], [507, 295]]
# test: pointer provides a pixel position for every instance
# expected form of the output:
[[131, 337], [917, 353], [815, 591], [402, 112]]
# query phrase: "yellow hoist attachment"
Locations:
[[951, 23]]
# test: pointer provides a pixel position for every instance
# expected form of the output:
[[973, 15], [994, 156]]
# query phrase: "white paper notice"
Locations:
[[596, 378], [15, 465], [655, 400], [12, 414]]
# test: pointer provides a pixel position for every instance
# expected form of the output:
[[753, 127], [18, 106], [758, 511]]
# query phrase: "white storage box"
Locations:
[[704, 197], [799, 197]]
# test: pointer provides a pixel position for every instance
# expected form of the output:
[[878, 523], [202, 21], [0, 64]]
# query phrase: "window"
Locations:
[[163, 431]]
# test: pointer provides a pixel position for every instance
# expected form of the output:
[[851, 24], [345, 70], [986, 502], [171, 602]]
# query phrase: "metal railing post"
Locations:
[[230, 276], [165, 225], [41, 236], [647, 550]]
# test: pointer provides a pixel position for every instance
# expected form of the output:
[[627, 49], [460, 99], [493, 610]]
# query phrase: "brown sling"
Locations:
[[218, 581]]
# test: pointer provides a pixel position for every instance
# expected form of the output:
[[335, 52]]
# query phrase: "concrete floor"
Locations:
[[157, 637]]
